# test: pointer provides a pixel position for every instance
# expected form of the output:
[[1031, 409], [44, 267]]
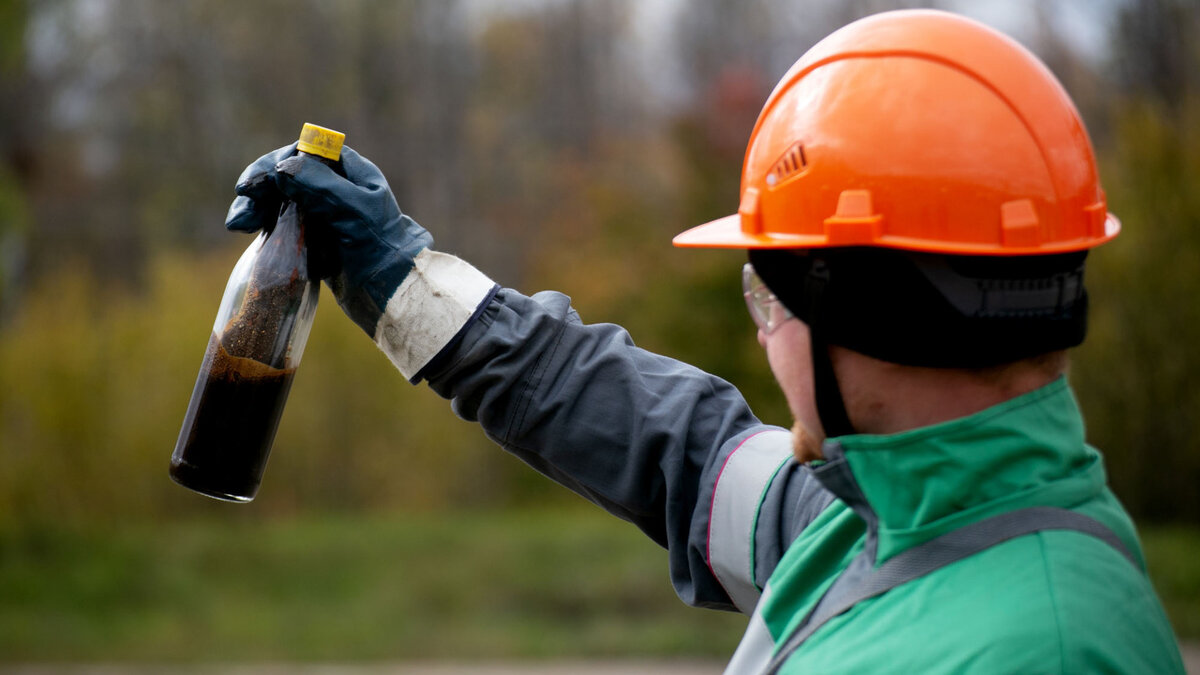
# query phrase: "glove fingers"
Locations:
[[263, 168], [373, 234], [258, 195], [319, 190], [360, 170], [251, 215]]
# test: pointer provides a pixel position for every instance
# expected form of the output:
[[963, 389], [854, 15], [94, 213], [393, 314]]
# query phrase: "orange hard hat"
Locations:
[[918, 130]]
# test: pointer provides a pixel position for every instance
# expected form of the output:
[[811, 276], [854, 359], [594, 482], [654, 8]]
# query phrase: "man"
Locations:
[[918, 198]]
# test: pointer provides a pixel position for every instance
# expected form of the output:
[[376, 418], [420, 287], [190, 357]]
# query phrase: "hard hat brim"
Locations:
[[727, 232]]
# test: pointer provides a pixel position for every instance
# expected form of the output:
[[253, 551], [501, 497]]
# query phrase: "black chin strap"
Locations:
[[831, 408]]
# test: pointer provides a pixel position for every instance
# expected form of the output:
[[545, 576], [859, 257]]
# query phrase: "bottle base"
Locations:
[[182, 476]]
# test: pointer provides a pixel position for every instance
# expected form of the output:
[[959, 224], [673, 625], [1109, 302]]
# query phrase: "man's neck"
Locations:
[[885, 398]]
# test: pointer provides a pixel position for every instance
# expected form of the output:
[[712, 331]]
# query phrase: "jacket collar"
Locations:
[[915, 485]]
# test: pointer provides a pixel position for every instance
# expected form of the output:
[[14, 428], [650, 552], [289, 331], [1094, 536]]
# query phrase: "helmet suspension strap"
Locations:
[[831, 408]]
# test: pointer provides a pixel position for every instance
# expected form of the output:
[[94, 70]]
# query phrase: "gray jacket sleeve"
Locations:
[[642, 435]]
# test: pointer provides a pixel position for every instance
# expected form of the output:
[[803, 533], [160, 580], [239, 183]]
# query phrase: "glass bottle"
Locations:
[[257, 340]]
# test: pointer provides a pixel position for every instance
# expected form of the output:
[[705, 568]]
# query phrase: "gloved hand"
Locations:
[[410, 299], [376, 243]]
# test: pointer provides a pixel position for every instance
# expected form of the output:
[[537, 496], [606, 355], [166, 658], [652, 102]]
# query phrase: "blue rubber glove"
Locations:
[[258, 196], [375, 242], [410, 299]]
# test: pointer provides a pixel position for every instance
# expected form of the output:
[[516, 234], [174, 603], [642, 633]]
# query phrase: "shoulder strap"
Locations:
[[941, 551]]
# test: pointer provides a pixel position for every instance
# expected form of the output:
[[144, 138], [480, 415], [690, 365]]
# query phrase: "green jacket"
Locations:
[[1050, 602], [678, 453]]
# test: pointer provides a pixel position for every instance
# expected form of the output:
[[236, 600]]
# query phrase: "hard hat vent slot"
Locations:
[[791, 163]]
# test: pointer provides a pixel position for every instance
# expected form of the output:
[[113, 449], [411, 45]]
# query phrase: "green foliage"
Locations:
[[12, 43], [1137, 373], [1171, 554], [100, 381], [566, 583]]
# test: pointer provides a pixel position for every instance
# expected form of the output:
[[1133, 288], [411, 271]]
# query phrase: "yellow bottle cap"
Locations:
[[321, 142]]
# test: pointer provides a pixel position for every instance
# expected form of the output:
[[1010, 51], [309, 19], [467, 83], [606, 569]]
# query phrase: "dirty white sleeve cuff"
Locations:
[[432, 304]]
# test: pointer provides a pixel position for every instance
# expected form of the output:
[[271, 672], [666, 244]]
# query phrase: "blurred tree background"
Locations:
[[555, 144]]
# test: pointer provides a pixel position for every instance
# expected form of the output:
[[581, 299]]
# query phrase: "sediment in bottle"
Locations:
[[230, 424]]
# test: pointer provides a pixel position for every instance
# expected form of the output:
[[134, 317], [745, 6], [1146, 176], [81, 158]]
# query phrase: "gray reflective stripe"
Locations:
[[937, 553], [754, 651], [739, 490]]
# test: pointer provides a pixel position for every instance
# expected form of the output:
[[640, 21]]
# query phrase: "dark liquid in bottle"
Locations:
[[231, 422]]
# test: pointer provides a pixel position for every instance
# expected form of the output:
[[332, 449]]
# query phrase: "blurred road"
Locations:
[[439, 668], [1191, 659], [614, 667]]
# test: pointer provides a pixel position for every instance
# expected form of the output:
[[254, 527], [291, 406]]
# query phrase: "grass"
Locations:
[[508, 585], [1173, 558]]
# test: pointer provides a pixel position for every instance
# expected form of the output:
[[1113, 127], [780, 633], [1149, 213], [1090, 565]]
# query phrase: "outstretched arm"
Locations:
[[657, 442]]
